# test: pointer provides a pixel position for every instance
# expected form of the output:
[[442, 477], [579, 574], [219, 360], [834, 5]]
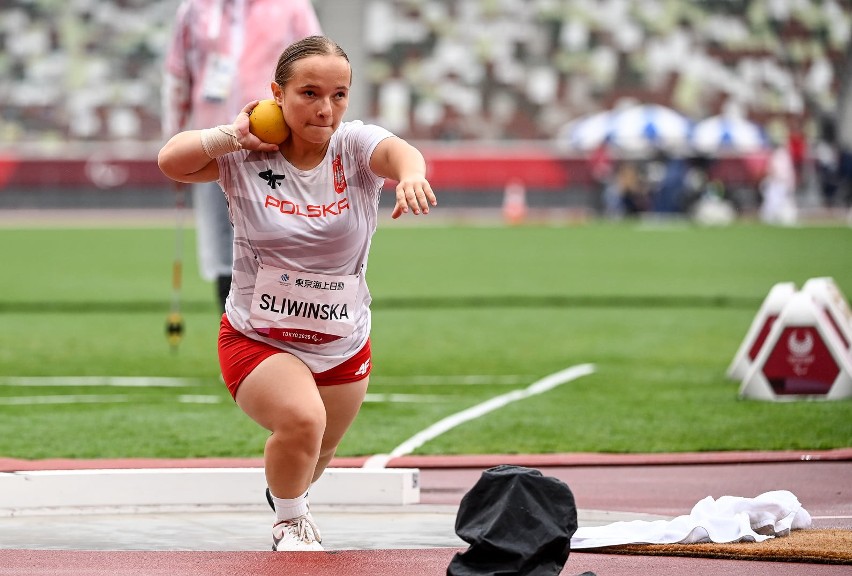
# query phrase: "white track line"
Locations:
[[119, 381], [65, 399], [449, 380], [199, 399], [408, 398], [450, 422], [98, 399], [165, 382], [193, 399]]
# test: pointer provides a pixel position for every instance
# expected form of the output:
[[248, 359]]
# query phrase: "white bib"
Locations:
[[219, 77], [303, 307]]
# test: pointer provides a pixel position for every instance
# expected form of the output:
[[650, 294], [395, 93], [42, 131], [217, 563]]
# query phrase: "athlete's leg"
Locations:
[[280, 394], [342, 403]]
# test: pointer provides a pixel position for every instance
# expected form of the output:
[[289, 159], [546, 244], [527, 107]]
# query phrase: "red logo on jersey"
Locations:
[[310, 210], [339, 176]]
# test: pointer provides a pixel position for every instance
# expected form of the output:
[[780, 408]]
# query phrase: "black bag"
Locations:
[[517, 522]]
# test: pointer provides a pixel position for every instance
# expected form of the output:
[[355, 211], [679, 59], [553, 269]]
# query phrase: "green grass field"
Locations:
[[460, 315]]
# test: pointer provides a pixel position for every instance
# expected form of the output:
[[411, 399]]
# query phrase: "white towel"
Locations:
[[728, 519]]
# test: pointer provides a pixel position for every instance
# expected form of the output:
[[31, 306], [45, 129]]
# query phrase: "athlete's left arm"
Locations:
[[396, 159]]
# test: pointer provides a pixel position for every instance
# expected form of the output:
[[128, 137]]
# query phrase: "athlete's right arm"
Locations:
[[190, 156], [184, 159]]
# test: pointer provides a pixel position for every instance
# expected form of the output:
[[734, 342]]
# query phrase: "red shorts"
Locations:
[[239, 355]]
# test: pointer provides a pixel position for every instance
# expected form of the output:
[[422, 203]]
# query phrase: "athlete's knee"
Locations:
[[304, 425]]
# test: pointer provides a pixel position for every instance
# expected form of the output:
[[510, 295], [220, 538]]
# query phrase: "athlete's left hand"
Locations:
[[414, 194]]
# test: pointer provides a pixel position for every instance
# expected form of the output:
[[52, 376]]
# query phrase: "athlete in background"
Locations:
[[221, 56]]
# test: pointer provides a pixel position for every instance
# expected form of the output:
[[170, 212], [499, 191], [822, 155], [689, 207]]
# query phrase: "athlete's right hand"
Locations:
[[244, 136]]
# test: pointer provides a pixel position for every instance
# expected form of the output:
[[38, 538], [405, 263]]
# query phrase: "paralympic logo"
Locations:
[[801, 349]]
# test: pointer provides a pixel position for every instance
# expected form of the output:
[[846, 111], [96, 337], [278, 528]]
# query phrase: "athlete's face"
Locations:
[[316, 97]]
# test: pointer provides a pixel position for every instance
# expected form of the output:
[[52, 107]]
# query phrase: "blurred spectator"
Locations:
[[827, 162], [634, 189], [844, 179], [797, 146], [778, 189], [222, 56], [668, 195], [602, 168], [627, 194]]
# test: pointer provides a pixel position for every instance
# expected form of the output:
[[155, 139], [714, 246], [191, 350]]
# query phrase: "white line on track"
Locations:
[[408, 398], [199, 399], [118, 381], [98, 399], [449, 380], [65, 399], [166, 382], [545, 384], [192, 399]]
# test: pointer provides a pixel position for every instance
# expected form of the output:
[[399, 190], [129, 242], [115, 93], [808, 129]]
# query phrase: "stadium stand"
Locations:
[[518, 69], [466, 69], [84, 72]]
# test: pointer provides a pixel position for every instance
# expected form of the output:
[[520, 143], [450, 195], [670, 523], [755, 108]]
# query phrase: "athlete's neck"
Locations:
[[304, 157]]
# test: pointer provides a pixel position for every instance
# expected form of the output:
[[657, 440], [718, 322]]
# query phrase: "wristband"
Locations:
[[220, 140]]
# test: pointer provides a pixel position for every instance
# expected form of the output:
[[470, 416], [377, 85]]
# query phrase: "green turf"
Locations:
[[660, 311]]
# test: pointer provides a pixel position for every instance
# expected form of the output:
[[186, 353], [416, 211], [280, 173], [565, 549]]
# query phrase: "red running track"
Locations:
[[655, 484]]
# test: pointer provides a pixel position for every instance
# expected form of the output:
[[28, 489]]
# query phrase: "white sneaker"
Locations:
[[310, 518], [296, 534], [317, 534]]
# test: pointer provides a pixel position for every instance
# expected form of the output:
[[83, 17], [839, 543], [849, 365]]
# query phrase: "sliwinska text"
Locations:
[[287, 307]]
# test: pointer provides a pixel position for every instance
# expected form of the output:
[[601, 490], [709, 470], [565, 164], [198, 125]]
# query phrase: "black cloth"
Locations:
[[517, 522], [223, 288]]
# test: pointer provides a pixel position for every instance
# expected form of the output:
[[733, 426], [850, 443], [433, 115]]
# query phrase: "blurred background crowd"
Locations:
[[508, 71], [521, 69]]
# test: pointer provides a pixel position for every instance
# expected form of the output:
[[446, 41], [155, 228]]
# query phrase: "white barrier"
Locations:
[[30, 492], [802, 358], [769, 311], [827, 295]]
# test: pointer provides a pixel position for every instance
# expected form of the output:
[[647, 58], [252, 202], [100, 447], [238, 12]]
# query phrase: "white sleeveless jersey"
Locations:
[[319, 221]]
